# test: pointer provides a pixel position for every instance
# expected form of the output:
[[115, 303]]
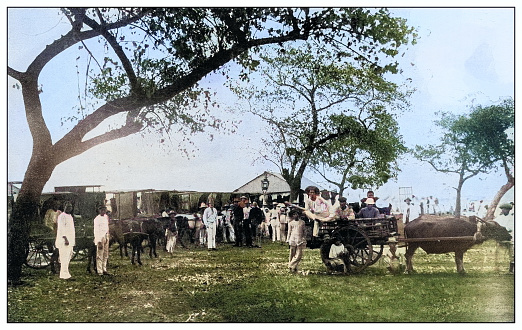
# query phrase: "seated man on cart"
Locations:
[[370, 211], [316, 208], [343, 211]]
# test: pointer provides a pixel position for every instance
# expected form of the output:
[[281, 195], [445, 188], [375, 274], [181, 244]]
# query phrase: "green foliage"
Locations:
[[332, 115], [488, 131], [158, 55], [253, 285], [473, 143]]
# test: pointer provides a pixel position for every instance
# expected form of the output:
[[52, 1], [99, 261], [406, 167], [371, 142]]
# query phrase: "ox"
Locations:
[[456, 235]]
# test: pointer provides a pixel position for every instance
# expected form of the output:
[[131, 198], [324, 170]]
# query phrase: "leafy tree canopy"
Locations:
[[321, 110], [473, 143]]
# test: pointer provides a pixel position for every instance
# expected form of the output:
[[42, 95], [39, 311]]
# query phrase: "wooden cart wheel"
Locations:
[[359, 246], [80, 254], [38, 254], [377, 253]]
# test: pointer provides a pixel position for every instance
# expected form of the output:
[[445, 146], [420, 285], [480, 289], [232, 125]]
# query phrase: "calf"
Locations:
[[456, 235], [128, 232], [154, 228], [135, 239]]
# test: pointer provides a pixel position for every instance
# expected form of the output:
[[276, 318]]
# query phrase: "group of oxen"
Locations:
[[433, 234]]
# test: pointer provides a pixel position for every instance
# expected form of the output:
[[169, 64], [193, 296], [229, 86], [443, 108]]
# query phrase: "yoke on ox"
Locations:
[[448, 234]]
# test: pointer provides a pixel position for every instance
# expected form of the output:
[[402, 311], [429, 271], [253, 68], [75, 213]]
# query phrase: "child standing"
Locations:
[[296, 239]]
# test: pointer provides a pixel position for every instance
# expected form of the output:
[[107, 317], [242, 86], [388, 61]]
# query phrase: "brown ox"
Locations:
[[448, 234]]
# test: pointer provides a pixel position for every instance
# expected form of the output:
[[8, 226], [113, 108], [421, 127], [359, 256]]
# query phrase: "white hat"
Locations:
[[370, 201]]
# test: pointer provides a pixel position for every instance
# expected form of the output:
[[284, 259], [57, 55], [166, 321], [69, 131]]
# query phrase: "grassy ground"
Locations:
[[253, 285]]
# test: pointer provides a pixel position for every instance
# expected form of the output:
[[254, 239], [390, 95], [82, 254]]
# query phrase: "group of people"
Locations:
[[244, 223], [241, 223], [62, 223], [319, 210]]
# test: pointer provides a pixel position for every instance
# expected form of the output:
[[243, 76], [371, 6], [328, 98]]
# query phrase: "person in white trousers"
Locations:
[[274, 223], [210, 220], [101, 239], [65, 239]]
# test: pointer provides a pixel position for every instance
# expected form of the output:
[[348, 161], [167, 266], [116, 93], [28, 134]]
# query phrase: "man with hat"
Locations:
[[343, 211], [411, 212], [274, 223], [239, 215], [101, 239], [370, 211], [171, 232]]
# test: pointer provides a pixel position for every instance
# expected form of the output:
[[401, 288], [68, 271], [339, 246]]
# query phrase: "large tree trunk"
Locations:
[[295, 186], [494, 203], [25, 213], [294, 181]]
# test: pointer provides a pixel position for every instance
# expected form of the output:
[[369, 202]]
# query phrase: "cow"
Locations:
[[457, 235]]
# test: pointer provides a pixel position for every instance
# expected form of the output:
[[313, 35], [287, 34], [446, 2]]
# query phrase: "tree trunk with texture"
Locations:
[[494, 203], [25, 213]]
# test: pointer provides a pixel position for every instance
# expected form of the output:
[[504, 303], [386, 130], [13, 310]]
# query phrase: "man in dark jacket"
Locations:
[[255, 218], [238, 219]]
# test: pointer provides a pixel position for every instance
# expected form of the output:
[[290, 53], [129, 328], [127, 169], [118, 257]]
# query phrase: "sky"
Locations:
[[464, 56]]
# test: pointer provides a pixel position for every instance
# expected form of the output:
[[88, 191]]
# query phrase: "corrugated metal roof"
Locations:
[[277, 184]]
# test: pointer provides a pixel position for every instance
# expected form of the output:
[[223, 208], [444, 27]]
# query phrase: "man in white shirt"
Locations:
[[411, 212], [65, 239], [274, 223], [101, 239], [210, 220], [316, 208], [335, 256]]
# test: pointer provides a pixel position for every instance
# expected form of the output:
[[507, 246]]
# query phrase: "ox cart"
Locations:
[[363, 238]]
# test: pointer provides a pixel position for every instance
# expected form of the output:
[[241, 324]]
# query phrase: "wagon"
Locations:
[[40, 248], [364, 238]]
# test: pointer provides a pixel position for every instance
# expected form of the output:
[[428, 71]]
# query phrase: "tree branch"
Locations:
[[126, 130]]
